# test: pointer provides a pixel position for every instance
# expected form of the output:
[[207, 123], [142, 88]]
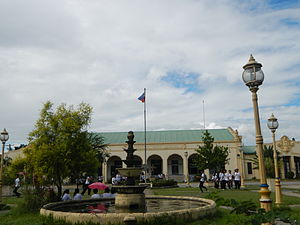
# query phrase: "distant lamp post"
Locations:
[[273, 125], [253, 76], [3, 137], [186, 154]]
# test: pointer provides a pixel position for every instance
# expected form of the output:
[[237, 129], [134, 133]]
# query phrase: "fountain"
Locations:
[[130, 205], [130, 197]]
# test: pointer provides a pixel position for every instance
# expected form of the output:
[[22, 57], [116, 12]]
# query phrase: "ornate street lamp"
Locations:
[[253, 76], [3, 137], [273, 125]]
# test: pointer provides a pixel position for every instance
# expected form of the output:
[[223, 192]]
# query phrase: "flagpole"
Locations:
[[145, 136], [203, 115]]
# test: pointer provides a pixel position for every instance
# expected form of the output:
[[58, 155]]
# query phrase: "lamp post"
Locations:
[[3, 137], [186, 165], [273, 125], [253, 76]]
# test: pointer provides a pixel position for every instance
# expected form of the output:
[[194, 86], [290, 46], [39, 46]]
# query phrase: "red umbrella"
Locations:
[[98, 185]]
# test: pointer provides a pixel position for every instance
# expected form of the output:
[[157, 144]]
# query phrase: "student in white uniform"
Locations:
[[237, 179]]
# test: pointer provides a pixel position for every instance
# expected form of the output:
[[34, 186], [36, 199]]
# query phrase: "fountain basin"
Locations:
[[189, 208], [130, 171]]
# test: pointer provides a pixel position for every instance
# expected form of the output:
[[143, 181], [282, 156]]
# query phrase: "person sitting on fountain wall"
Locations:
[[107, 193], [77, 195], [114, 181], [142, 177], [66, 195], [95, 195], [118, 178]]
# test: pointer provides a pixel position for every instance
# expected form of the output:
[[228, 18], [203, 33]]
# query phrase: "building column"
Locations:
[[165, 166], [281, 168], [242, 169], [186, 168], [104, 171]]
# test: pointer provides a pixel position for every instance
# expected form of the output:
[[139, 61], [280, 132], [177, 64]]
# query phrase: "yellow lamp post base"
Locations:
[[265, 200]]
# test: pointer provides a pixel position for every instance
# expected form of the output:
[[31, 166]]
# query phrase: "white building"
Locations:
[[171, 152]]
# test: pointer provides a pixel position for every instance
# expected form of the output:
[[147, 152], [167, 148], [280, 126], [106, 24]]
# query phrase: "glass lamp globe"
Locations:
[[272, 123], [253, 75], [4, 135]]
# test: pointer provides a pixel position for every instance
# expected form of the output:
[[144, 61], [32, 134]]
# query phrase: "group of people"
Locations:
[[108, 193], [116, 180], [222, 179], [225, 179]]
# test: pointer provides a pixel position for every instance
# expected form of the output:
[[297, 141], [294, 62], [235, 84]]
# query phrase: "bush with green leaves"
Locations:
[[164, 183], [36, 197], [256, 215]]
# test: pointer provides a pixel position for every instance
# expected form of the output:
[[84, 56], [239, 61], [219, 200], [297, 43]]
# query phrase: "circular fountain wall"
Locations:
[[102, 211]]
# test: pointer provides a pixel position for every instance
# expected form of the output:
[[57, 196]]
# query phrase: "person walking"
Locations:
[[86, 186], [203, 178], [17, 186], [237, 179]]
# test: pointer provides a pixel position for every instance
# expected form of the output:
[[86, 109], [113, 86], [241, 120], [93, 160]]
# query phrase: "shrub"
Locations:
[[35, 198], [164, 183], [4, 207]]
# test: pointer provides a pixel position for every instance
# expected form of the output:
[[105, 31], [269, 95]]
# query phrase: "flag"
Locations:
[[142, 98]]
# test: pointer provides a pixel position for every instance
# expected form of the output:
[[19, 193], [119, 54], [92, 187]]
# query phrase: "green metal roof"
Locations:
[[167, 136], [249, 149]]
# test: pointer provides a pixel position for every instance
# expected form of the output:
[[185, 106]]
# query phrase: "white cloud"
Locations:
[[105, 52]]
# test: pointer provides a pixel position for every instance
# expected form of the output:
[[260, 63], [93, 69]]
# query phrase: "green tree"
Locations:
[[60, 146], [268, 154], [98, 145], [210, 156]]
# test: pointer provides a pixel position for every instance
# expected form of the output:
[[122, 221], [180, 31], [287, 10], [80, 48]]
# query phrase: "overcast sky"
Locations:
[[104, 52]]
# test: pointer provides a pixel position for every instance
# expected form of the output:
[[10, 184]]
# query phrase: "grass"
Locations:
[[17, 216], [238, 195]]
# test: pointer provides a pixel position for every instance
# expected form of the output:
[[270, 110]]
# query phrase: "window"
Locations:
[[249, 167], [174, 164]]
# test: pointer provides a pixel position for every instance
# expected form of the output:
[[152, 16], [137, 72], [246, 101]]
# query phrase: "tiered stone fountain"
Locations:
[[130, 205], [130, 196]]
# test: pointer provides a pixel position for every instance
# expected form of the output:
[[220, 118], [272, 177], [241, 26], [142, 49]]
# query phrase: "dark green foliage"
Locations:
[[15, 167], [164, 183], [268, 154], [165, 220], [4, 207], [209, 156], [60, 145], [256, 215], [35, 198]]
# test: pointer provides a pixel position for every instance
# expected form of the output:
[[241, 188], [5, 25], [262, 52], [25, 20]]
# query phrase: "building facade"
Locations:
[[169, 152], [172, 152], [289, 152]]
